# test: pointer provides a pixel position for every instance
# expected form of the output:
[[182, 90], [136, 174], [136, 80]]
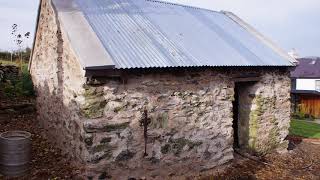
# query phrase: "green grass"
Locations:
[[17, 86], [305, 129], [5, 62]]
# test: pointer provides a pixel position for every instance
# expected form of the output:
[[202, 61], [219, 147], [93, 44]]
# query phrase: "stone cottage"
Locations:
[[206, 82]]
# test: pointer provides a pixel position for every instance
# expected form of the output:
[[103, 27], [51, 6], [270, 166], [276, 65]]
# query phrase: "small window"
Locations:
[[318, 85]]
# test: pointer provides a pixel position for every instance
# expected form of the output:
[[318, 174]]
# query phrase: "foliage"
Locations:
[[18, 86], [305, 129], [25, 53], [300, 113]]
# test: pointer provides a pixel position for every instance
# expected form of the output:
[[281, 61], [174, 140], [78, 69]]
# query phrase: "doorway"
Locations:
[[235, 124], [242, 105]]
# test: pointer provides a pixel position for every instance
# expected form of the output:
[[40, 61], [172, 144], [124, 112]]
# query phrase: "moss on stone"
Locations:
[[117, 109], [194, 144], [272, 140], [274, 134], [160, 121], [105, 140], [176, 146], [121, 107], [91, 91], [115, 127], [88, 140], [91, 128], [254, 120], [125, 155], [94, 109], [99, 156], [94, 102], [100, 148], [284, 145], [166, 148]]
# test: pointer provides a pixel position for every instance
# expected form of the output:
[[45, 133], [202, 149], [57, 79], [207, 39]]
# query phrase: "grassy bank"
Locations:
[[4, 62], [305, 129], [17, 86]]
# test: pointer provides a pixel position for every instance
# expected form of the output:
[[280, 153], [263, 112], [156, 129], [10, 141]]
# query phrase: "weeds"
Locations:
[[18, 85]]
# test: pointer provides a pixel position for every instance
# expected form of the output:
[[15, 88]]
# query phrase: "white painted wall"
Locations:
[[306, 84]]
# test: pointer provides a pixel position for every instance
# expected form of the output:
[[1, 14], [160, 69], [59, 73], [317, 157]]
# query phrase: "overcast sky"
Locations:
[[288, 23]]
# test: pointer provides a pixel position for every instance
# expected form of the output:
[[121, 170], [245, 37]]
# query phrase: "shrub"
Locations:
[[300, 113], [21, 85]]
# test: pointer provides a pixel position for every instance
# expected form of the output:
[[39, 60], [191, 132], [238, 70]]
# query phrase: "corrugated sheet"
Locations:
[[142, 34]]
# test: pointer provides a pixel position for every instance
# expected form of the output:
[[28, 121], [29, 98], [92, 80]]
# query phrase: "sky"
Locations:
[[288, 23], [20, 12]]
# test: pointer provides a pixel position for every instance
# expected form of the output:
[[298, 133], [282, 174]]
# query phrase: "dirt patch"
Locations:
[[47, 161], [301, 162]]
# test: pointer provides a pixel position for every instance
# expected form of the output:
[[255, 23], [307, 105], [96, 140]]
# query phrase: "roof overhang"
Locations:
[[82, 38], [298, 77], [84, 42], [305, 92]]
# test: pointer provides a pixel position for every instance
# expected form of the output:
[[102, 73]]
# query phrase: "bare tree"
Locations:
[[18, 39]]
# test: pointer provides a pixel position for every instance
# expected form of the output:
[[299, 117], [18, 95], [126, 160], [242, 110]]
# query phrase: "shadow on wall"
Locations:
[[60, 120], [123, 146]]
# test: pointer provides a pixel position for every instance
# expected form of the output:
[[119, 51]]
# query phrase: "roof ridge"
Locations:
[[310, 58], [262, 38], [183, 5]]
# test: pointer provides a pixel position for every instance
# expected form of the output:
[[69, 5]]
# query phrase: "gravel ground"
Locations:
[[301, 162]]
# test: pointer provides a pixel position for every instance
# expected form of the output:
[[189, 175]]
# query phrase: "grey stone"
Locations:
[[90, 127], [125, 155]]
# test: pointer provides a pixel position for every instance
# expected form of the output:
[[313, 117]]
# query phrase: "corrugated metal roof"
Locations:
[[143, 34], [88, 48]]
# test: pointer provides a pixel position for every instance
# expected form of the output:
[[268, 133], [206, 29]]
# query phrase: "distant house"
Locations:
[[306, 87], [207, 80]]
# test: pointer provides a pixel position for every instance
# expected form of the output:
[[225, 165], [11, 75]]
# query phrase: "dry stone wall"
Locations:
[[270, 113], [8, 72], [58, 80], [191, 121], [265, 113]]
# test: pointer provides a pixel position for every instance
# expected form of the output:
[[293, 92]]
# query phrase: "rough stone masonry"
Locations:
[[191, 129]]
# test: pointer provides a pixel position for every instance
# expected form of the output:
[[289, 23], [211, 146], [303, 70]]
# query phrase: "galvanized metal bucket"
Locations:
[[15, 153]]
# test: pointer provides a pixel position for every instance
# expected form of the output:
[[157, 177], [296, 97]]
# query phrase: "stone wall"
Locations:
[[191, 120], [264, 113], [8, 72], [58, 80], [190, 130], [270, 113]]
